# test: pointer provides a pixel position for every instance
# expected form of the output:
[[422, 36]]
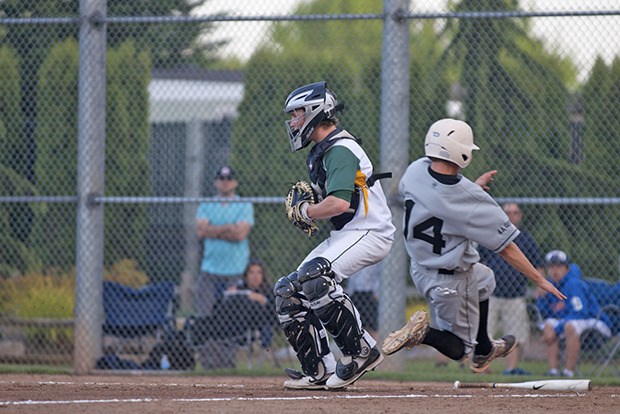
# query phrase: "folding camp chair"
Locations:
[[608, 296], [137, 318]]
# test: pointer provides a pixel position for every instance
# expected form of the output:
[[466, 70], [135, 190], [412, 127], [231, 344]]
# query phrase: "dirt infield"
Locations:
[[176, 394]]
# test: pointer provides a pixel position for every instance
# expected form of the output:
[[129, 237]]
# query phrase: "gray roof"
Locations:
[[190, 73]]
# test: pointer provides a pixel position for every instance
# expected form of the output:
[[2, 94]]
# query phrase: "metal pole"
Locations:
[[91, 162], [394, 158], [194, 173]]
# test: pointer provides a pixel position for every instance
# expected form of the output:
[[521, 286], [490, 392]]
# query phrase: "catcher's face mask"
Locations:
[[316, 103], [294, 127], [297, 119]]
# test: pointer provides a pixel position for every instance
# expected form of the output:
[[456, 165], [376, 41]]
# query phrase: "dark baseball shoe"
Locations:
[[409, 335], [349, 369], [299, 381], [501, 348]]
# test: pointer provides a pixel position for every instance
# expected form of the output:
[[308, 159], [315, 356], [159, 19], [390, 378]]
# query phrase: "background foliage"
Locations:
[[177, 107]]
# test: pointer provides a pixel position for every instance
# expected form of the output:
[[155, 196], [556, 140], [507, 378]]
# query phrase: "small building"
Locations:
[[191, 115]]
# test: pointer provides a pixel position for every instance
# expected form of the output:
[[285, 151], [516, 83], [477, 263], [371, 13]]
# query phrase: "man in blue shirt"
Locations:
[[570, 318], [224, 226], [507, 305]]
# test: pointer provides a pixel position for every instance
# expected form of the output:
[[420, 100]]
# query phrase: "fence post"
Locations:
[[394, 158], [91, 162], [194, 186]]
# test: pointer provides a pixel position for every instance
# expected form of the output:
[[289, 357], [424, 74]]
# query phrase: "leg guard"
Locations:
[[302, 328], [333, 307]]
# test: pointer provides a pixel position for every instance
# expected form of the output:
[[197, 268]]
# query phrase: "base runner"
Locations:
[[445, 215]]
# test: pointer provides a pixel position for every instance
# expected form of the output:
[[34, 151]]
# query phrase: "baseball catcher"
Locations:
[[298, 198], [342, 188]]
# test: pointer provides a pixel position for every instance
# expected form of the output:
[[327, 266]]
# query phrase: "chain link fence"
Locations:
[[114, 125]]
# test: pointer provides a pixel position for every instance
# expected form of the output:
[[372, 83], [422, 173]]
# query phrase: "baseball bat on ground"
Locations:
[[551, 385]]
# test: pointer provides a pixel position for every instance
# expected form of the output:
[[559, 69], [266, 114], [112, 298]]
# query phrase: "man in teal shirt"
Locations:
[[224, 226]]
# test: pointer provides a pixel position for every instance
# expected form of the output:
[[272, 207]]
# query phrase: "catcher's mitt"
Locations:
[[301, 192]]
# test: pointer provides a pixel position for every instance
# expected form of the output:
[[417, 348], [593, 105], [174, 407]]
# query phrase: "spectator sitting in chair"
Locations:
[[245, 307], [258, 309], [568, 319]]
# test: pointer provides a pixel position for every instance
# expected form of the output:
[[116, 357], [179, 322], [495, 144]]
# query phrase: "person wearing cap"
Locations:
[[567, 320], [224, 227]]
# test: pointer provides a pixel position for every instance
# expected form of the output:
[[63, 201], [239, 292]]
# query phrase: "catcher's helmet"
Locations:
[[451, 140], [318, 103]]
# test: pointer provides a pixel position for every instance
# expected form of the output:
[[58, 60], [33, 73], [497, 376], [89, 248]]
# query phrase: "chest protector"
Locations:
[[318, 176]]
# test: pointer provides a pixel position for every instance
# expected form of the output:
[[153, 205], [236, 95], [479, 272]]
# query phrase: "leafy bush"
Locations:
[[126, 272], [52, 296], [38, 296], [34, 296]]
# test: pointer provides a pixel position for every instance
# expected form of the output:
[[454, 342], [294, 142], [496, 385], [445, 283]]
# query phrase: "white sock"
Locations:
[[568, 373]]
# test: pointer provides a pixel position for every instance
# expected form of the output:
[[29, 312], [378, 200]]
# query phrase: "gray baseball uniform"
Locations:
[[444, 217]]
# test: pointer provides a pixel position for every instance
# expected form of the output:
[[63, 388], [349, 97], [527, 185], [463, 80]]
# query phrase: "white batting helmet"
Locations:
[[451, 140], [318, 103]]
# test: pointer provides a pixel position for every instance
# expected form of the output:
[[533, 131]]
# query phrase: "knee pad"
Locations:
[[316, 279], [288, 301], [313, 268], [287, 286]]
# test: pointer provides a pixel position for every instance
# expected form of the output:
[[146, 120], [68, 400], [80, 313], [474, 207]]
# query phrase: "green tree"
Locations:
[[302, 52], [513, 87], [331, 41], [600, 107], [14, 256], [601, 151], [53, 236], [127, 151], [518, 101], [127, 169], [171, 45]]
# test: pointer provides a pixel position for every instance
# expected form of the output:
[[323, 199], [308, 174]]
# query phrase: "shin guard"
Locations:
[[302, 329]]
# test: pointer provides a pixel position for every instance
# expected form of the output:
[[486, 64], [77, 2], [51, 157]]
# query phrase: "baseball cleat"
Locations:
[[408, 336], [501, 348], [299, 381], [305, 383], [349, 369]]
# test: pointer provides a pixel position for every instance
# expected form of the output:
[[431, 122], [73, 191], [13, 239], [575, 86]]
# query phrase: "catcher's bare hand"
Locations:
[[299, 197]]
